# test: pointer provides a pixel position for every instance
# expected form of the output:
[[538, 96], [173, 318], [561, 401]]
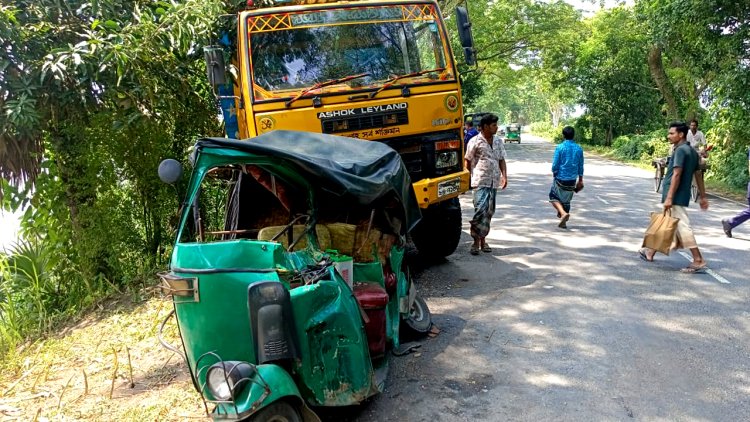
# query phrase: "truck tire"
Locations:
[[439, 232]]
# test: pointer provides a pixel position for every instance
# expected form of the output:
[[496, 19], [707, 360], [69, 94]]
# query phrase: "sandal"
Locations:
[[642, 254], [474, 250], [486, 248], [692, 269], [564, 221]]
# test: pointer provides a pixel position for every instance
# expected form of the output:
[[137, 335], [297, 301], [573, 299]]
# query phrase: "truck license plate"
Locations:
[[448, 187]]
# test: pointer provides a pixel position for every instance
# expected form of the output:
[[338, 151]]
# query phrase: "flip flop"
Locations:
[[564, 221], [690, 269], [642, 254], [474, 250], [486, 248]]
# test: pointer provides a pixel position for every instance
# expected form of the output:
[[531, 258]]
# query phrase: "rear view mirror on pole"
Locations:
[[170, 171], [464, 34], [215, 68]]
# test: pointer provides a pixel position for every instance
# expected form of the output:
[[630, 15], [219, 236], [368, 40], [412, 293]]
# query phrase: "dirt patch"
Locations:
[[108, 366]]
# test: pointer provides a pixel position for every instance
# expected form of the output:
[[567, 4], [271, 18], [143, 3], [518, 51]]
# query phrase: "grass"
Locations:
[[83, 372]]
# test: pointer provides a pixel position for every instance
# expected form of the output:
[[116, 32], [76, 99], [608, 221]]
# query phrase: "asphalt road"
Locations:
[[570, 325]]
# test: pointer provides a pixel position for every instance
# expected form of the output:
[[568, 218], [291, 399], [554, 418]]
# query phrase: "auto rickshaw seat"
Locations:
[[373, 299], [323, 235], [370, 295]]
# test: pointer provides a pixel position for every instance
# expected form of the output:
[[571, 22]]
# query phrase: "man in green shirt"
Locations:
[[683, 164]]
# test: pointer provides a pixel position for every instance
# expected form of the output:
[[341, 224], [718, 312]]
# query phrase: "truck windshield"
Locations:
[[323, 45]]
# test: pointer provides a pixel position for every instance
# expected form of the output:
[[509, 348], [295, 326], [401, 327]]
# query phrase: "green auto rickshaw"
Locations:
[[287, 274], [512, 133]]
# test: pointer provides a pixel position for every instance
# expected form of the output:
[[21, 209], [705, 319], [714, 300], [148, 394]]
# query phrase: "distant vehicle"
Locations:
[[512, 133], [475, 118]]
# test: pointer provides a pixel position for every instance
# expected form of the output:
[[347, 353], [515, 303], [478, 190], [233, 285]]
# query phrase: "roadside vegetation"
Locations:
[[95, 93], [106, 365], [619, 76]]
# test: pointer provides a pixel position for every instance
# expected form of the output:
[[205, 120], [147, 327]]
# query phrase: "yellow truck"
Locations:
[[375, 70]]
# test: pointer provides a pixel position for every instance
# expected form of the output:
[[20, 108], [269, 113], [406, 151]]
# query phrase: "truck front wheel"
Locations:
[[438, 233]]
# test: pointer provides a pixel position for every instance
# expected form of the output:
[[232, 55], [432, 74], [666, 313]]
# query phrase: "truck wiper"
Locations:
[[323, 84], [389, 83]]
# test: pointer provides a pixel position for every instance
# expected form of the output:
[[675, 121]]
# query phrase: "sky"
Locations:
[[590, 7], [8, 229]]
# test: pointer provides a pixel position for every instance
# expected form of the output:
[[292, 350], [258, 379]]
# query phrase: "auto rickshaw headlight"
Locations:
[[227, 379], [446, 159]]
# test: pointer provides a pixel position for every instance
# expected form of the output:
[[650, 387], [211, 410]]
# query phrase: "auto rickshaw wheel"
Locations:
[[419, 320], [438, 233], [278, 411]]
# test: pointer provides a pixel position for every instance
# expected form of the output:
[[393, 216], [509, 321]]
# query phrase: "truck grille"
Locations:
[[418, 153], [369, 121]]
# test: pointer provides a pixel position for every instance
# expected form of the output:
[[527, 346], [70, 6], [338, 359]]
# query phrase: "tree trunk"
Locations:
[[656, 67], [556, 112], [69, 146]]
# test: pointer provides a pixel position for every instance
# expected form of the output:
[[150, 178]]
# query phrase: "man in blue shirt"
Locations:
[[469, 132], [567, 172]]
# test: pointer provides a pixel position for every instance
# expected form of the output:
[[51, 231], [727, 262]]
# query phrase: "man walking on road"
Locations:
[[744, 215], [567, 175], [485, 161], [469, 132], [676, 195]]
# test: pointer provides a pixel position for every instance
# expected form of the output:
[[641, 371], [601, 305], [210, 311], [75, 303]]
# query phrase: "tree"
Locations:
[[614, 81], [518, 42], [703, 40], [101, 90]]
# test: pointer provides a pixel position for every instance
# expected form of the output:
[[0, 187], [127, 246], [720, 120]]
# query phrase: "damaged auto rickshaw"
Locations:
[[286, 276]]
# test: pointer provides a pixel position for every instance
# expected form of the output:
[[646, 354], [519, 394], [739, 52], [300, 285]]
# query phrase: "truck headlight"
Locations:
[[446, 159], [226, 379]]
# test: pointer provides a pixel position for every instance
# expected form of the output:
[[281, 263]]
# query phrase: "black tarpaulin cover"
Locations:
[[364, 172]]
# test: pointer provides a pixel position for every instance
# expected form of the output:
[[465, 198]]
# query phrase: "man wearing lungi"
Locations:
[[676, 195], [567, 175], [485, 160]]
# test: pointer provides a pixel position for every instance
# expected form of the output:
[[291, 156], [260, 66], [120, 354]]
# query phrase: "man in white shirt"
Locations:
[[485, 160], [696, 138]]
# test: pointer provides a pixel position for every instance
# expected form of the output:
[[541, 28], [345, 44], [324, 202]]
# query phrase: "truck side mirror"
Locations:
[[170, 171], [464, 34], [215, 68]]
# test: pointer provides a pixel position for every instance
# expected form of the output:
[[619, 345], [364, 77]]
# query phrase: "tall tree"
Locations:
[[703, 40], [613, 78], [83, 82]]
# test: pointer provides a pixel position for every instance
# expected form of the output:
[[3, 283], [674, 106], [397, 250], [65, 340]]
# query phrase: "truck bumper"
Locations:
[[432, 191]]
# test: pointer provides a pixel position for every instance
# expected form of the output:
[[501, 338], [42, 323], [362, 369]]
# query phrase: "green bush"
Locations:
[[630, 147], [729, 166], [35, 291], [582, 126], [641, 147], [658, 144], [544, 129]]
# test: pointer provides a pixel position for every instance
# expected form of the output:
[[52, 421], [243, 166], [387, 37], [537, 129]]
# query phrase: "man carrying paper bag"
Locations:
[[661, 233], [681, 167]]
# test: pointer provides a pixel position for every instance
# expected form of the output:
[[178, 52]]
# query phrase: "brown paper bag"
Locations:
[[661, 232]]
